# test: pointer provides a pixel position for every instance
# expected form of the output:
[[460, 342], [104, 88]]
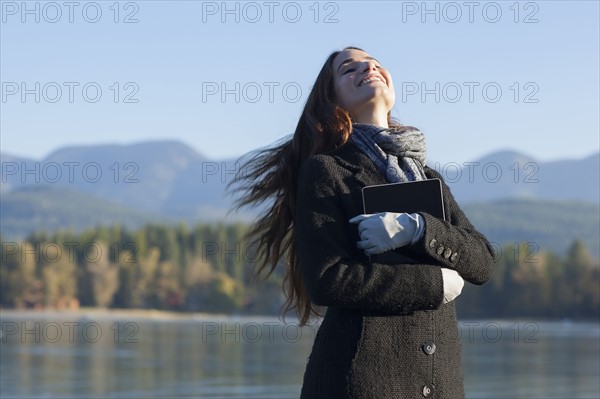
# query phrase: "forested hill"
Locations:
[[508, 195], [551, 225]]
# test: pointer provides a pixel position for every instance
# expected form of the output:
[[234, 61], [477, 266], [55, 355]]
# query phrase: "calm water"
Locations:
[[109, 356]]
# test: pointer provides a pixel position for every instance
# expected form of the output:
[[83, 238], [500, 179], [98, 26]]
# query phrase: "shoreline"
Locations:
[[128, 314]]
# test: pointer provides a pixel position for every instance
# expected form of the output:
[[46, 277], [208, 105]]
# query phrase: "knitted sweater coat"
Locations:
[[386, 333]]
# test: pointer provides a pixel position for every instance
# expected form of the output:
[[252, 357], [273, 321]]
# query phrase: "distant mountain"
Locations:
[[166, 177], [560, 179], [141, 175], [509, 174]]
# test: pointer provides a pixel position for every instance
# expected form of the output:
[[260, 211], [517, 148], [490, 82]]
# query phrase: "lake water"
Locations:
[[110, 356]]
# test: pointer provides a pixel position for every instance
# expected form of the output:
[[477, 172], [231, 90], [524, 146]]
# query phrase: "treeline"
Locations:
[[209, 268], [539, 284]]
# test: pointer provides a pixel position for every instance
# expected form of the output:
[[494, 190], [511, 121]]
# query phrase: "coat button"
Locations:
[[432, 243], [447, 253], [440, 249], [429, 348], [427, 391], [453, 257]]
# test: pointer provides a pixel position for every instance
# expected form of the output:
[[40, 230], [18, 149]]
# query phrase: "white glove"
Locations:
[[384, 231], [453, 284]]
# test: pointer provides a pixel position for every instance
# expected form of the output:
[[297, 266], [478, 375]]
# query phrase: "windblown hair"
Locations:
[[272, 173]]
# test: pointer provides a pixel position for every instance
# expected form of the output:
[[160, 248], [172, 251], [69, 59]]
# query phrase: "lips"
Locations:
[[369, 79]]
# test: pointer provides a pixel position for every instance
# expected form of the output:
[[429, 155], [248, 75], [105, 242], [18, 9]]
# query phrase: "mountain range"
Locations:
[[168, 181], [510, 174]]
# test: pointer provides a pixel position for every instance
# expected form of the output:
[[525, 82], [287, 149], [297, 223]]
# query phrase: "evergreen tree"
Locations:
[[18, 280]]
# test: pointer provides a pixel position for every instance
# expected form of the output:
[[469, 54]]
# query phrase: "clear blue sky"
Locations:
[[179, 51]]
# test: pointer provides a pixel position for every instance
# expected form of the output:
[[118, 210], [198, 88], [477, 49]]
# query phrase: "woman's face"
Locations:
[[362, 85]]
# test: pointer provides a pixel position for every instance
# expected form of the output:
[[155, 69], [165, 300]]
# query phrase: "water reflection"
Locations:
[[263, 358], [532, 360]]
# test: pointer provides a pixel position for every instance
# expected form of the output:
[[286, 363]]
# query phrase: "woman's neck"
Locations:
[[376, 120]]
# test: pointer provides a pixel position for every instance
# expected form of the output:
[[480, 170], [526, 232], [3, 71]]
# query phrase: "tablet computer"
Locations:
[[409, 197]]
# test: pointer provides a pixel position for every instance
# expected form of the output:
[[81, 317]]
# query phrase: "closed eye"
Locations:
[[353, 69]]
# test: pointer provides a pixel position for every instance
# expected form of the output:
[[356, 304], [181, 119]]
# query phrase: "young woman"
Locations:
[[390, 329]]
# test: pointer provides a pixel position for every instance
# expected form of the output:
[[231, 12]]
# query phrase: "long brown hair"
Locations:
[[272, 173]]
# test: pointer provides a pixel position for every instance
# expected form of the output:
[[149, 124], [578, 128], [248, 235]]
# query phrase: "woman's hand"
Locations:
[[384, 231]]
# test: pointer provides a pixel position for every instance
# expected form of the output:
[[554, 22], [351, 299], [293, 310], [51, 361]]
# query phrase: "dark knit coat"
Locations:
[[386, 332]]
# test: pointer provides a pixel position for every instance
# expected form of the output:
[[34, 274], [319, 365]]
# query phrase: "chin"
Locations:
[[378, 94]]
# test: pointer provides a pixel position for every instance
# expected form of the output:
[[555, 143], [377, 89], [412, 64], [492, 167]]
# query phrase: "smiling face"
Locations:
[[363, 87]]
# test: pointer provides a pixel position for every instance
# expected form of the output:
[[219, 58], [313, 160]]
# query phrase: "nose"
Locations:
[[369, 65]]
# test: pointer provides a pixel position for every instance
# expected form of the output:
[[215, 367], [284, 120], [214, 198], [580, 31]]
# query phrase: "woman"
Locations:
[[390, 329]]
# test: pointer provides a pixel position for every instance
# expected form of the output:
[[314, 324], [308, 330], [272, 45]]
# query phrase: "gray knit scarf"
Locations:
[[399, 156]]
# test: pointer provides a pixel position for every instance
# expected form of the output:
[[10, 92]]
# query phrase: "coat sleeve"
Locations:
[[332, 273], [455, 244]]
